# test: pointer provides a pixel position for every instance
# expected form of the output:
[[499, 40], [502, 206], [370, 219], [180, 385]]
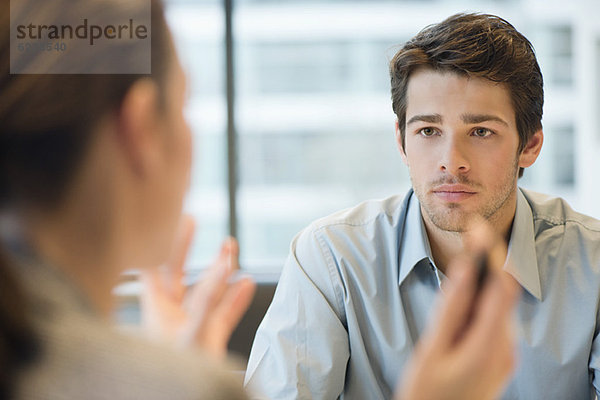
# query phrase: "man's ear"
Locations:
[[532, 150], [399, 142], [136, 126]]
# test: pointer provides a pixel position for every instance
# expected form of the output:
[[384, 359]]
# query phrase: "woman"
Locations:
[[93, 171]]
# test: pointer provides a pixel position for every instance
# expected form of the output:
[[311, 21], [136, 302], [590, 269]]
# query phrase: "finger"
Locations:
[[211, 287], [460, 305], [151, 282], [151, 292], [497, 299], [490, 345], [455, 304], [234, 254], [481, 239], [223, 262], [493, 313], [486, 245], [232, 308]]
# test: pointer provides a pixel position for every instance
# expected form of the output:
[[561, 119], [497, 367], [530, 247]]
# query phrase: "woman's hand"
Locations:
[[206, 314]]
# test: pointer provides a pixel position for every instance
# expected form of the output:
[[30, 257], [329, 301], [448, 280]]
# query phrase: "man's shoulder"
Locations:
[[387, 211], [372, 222], [549, 211]]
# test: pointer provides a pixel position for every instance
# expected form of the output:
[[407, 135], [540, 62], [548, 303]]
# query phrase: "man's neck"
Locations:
[[445, 246]]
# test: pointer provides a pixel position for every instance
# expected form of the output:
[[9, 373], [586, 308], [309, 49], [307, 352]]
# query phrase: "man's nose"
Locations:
[[454, 159]]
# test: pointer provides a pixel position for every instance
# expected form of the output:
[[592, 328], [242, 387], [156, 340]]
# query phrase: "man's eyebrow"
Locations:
[[431, 118], [479, 118]]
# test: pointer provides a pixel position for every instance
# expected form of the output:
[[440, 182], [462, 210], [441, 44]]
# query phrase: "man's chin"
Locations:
[[451, 220], [449, 227]]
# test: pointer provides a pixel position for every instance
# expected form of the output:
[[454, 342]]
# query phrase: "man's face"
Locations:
[[461, 144]]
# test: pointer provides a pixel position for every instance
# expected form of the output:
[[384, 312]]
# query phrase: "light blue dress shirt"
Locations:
[[358, 288]]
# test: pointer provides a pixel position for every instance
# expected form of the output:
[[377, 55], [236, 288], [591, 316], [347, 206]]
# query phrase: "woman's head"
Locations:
[[122, 135], [99, 156]]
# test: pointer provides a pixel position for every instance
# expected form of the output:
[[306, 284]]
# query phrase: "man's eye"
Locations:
[[482, 132], [427, 132]]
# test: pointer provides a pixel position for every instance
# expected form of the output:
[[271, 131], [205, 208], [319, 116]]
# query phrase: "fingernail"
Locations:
[[462, 277], [226, 247]]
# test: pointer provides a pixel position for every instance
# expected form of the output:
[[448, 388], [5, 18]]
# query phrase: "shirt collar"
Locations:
[[521, 249], [414, 244]]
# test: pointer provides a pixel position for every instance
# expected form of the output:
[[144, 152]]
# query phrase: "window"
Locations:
[[560, 63], [564, 156], [198, 31]]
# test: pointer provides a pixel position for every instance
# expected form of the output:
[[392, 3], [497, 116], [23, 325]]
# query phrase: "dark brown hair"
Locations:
[[479, 45], [46, 124]]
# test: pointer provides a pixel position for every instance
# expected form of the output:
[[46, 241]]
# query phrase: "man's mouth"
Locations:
[[453, 193]]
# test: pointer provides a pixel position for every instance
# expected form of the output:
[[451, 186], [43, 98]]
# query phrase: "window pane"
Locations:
[[564, 156], [315, 124], [562, 55], [198, 29]]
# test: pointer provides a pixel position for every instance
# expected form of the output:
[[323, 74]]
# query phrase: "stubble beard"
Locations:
[[451, 217]]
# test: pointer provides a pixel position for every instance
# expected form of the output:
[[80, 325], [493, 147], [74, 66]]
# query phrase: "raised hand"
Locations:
[[206, 314]]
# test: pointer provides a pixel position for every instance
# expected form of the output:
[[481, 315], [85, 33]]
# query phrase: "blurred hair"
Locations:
[[475, 45], [46, 124]]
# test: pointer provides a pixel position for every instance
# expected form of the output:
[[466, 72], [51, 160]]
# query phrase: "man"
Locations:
[[358, 287]]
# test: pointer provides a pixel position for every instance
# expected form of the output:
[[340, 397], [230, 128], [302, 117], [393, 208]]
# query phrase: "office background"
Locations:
[[311, 118]]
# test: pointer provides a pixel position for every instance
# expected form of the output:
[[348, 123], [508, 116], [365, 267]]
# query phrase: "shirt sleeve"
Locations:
[[301, 347]]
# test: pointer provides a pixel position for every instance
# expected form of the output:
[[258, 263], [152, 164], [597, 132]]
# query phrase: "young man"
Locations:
[[358, 287]]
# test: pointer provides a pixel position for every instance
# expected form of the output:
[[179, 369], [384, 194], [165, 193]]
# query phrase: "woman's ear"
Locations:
[[137, 124], [532, 150]]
